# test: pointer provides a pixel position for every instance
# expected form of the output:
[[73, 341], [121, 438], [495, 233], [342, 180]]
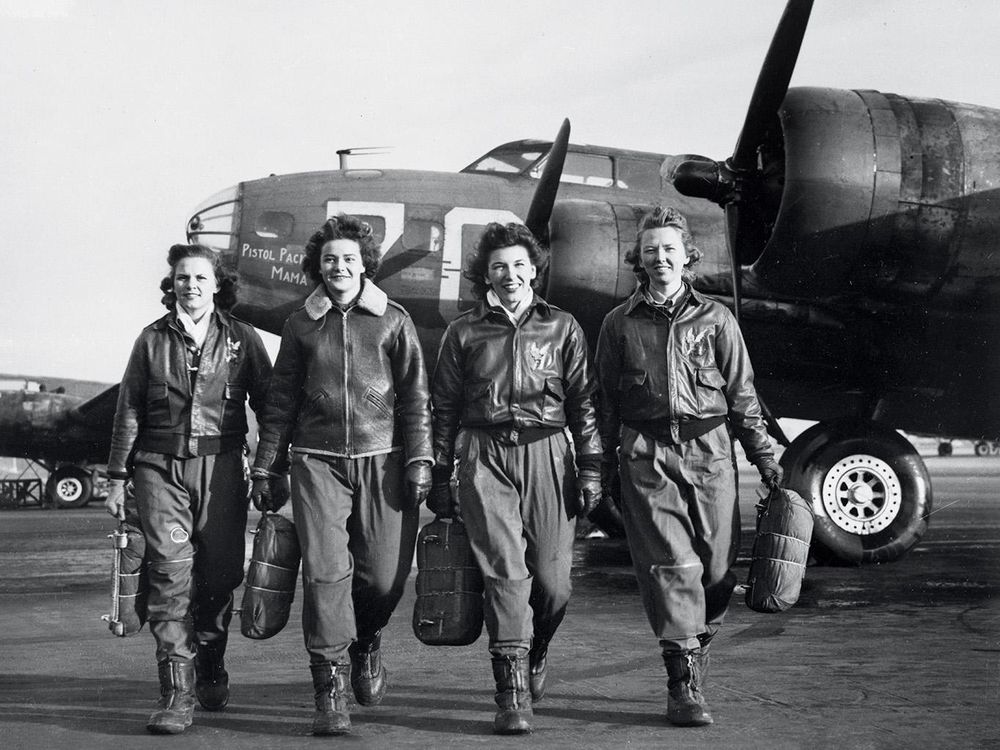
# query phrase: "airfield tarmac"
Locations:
[[900, 655]]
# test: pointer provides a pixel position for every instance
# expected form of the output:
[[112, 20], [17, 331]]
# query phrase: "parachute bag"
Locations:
[[780, 551], [129, 582], [449, 606], [270, 585]]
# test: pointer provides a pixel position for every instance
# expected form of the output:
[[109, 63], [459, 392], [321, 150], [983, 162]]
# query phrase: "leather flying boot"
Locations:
[[513, 695], [211, 679], [175, 709], [701, 668], [686, 706], [536, 668], [369, 678], [330, 683]]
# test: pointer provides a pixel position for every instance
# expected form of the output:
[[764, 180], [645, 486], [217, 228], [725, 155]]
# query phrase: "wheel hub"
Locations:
[[69, 489], [862, 494]]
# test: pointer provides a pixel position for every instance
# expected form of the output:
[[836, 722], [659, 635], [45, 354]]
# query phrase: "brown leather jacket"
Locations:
[[663, 374], [347, 383], [493, 374], [163, 410]]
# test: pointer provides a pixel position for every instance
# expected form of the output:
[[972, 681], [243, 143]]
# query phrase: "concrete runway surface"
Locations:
[[900, 655]]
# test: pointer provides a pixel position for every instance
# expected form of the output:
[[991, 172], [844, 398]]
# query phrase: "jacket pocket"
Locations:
[[711, 393], [478, 401], [633, 393], [552, 405], [158, 413], [378, 401], [317, 404]]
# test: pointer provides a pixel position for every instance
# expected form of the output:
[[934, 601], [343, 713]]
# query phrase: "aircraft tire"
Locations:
[[868, 487], [982, 449], [70, 487], [945, 449]]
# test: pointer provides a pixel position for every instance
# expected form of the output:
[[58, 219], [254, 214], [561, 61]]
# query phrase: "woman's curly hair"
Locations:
[[662, 216], [225, 279], [342, 227], [494, 237]]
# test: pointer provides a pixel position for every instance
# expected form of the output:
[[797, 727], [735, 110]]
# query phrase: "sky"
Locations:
[[119, 117]]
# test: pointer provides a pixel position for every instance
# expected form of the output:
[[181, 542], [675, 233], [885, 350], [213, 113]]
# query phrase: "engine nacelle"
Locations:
[[585, 277], [901, 193]]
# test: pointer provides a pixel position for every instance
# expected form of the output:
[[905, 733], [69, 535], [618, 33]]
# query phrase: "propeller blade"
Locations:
[[544, 198], [732, 232], [772, 82]]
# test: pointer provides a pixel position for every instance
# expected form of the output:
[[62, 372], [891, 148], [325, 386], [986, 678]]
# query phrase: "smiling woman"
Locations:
[[179, 432]]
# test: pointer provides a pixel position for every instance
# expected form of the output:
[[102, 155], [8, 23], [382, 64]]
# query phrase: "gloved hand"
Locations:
[[588, 491], [440, 500], [770, 472], [269, 492], [609, 474], [280, 492], [115, 502], [418, 482]]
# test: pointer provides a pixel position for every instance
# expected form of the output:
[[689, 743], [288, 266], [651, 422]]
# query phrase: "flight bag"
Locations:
[[271, 576], [129, 582], [780, 551], [449, 606]]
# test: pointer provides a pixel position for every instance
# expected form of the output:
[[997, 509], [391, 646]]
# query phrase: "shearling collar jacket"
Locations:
[[348, 382], [662, 371], [182, 401]]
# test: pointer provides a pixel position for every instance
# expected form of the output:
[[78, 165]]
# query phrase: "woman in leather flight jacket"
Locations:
[[675, 378], [511, 376], [349, 401], [179, 431]]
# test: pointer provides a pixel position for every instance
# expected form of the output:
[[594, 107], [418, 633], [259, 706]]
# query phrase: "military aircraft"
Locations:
[[853, 231], [65, 427]]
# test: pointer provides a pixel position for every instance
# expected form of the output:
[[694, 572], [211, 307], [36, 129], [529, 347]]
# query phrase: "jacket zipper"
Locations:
[[347, 411]]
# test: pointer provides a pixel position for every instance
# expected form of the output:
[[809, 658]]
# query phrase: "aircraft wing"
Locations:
[[98, 412]]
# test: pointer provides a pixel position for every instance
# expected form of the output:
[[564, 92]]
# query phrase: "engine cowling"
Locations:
[[897, 195]]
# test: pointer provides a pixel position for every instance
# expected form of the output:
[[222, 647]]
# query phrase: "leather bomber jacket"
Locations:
[[491, 373], [161, 410], [347, 383], [667, 370]]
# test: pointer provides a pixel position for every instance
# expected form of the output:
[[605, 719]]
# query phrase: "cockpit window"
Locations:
[[506, 161], [638, 174], [274, 225], [583, 169]]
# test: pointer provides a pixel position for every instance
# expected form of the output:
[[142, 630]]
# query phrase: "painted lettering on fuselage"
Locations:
[[451, 255]]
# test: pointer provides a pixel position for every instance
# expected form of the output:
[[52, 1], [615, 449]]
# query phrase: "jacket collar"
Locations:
[[689, 296], [372, 299], [483, 308], [170, 320]]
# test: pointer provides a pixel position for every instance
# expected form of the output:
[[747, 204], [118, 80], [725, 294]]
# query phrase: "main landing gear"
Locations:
[[868, 487]]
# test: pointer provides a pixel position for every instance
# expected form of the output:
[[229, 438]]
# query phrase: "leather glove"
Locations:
[[440, 501], [260, 494], [418, 482], [270, 492], [770, 472], [588, 492], [115, 502], [280, 491], [609, 475]]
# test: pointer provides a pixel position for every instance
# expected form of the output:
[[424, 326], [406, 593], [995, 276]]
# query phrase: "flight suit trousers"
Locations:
[[515, 501], [193, 512], [682, 520], [357, 531]]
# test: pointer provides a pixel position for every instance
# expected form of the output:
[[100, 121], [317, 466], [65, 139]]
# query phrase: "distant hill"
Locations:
[[83, 388]]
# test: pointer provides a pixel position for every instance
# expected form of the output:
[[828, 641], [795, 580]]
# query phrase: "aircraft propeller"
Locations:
[[544, 199], [748, 184]]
